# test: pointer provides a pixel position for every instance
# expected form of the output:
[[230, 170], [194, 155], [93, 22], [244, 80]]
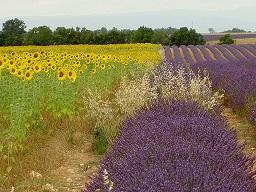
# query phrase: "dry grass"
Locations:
[[108, 111], [183, 84], [46, 150]]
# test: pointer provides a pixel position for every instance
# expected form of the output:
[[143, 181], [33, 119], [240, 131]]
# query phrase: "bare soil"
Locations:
[[70, 165]]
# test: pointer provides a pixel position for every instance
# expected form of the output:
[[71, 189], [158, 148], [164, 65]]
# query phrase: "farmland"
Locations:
[[156, 115], [216, 36]]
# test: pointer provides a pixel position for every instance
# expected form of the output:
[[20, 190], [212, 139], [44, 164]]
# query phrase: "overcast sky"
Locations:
[[23, 8]]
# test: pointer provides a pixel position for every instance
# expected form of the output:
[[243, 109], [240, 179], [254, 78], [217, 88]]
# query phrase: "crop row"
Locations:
[[232, 70]]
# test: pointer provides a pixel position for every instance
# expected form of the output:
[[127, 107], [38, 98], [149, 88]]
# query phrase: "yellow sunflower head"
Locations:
[[13, 70], [2, 64], [61, 75], [28, 75], [72, 75], [37, 68], [36, 55], [103, 66], [94, 71], [20, 74]]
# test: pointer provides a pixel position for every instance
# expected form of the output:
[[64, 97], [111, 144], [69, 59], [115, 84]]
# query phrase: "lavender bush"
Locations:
[[175, 146]]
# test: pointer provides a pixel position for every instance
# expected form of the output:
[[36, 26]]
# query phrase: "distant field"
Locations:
[[231, 67], [237, 41], [216, 36]]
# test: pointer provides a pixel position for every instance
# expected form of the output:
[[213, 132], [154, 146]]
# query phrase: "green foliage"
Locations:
[[87, 36], [13, 31], [142, 35], [1, 38], [161, 37], [24, 104], [226, 39], [186, 37], [39, 36], [14, 34], [101, 142]]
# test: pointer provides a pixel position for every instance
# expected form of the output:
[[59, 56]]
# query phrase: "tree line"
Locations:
[[14, 34]]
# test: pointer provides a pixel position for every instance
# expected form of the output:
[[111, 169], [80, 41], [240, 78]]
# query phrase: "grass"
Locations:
[[246, 132]]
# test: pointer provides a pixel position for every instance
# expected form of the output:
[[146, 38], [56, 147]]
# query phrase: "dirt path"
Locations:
[[74, 164], [245, 131], [76, 169]]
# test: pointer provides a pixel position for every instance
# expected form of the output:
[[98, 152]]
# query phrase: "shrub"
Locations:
[[226, 39], [108, 112], [175, 146]]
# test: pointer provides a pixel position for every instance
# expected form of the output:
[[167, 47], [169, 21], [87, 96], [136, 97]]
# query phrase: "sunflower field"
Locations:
[[39, 80]]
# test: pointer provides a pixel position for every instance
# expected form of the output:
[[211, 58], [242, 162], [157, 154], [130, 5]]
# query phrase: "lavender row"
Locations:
[[175, 146], [232, 68]]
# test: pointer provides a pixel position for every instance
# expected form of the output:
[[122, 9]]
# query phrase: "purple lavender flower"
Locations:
[[176, 146]]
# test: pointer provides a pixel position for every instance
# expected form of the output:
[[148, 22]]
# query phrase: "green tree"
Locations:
[[87, 36], [115, 36], [74, 35], [39, 36], [127, 35], [186, 37], [60, 36], [13, 32], [160, 37], [1, 38], [142, 35], [226, 39]]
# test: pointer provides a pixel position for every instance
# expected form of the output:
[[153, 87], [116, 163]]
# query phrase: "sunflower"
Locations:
[[53, 67], [46, 69], [1, 64], [80, 72], [37, 68], [72, 75], [61, 74], [36, 55], [20, 74], [13, 54], [11, 62], [94, 71], [103, 66], [28, 75], [97, 64], [13, 70]]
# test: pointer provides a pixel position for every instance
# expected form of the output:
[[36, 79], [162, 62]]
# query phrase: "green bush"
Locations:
[[226, 39], [186, 37]]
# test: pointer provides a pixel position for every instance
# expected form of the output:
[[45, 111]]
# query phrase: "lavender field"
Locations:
[[232, 69], [181, 141]]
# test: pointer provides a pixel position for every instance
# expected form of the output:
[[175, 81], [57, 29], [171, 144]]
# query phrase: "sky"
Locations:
[[110, 12]]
